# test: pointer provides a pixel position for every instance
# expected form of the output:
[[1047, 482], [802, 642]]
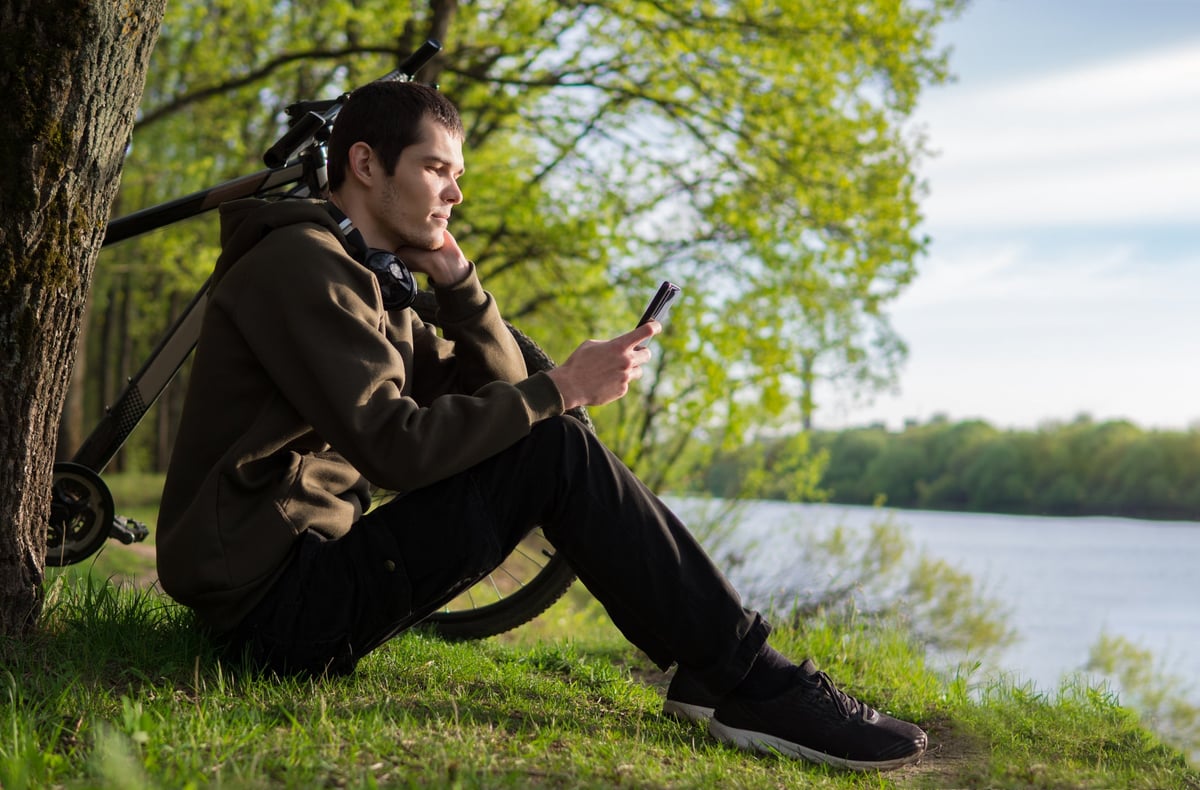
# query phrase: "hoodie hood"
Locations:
[[244, 223]]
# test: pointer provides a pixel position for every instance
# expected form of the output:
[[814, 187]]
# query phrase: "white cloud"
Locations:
[[1134, 83], [1015, 270], [1064, 271], [1118, 142]]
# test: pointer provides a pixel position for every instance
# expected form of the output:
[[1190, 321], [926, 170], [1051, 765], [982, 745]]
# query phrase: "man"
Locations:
[[312, 378]]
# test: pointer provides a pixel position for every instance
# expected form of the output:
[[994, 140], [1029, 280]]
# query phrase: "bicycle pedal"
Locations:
[[128, 530]]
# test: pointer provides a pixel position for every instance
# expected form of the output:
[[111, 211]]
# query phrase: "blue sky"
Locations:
[[1064, 209]]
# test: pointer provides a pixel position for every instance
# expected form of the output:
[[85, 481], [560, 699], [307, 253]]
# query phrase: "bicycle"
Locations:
[[83, 514]]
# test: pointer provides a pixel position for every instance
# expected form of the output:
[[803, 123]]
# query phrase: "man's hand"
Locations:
[[599, 371], [445, 265]]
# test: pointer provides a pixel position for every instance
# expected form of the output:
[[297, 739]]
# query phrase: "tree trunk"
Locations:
[[70, 428], [71, 77], [808, 381]]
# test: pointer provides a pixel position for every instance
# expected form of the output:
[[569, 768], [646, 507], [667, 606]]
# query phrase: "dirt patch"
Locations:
[[136, 563], [951, 754]]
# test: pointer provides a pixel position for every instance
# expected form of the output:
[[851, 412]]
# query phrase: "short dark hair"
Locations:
[[386, 116]]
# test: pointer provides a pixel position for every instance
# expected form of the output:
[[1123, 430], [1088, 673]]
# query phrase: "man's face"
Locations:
[[414, 202]]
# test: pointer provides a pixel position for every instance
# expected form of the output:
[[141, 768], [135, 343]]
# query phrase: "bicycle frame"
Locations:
[[144, 387]]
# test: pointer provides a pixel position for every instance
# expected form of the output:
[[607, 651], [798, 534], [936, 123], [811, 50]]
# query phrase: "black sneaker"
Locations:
[[816, 721], [688, 698]]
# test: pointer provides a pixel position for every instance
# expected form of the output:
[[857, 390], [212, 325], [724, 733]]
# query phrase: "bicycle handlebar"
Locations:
[[309, 119], [409, 67], [310, 124]]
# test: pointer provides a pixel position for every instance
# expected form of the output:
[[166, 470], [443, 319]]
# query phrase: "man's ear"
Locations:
[[361, 164]]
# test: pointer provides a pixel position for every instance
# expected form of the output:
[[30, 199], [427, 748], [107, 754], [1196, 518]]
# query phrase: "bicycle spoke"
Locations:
[[510, 575], [518, 550]]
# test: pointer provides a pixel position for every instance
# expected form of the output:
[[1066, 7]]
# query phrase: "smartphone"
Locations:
[[660, 305]]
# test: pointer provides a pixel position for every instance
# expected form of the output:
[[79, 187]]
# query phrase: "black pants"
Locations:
[[339, 599]]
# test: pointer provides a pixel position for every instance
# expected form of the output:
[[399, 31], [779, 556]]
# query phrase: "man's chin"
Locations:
[[431, 243]]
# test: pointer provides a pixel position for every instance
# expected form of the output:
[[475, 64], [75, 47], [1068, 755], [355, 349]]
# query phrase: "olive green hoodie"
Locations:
[[304, 388]]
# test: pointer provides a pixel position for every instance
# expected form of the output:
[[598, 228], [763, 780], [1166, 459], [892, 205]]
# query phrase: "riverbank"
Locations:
[[119, 691]]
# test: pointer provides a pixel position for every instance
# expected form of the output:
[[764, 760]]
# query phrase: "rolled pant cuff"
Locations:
[[721, 680]]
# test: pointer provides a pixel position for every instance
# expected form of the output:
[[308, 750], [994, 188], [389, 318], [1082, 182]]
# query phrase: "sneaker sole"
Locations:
[[684, 710], [769, 744]]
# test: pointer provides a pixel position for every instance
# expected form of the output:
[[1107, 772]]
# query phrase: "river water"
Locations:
[[1063, 581]]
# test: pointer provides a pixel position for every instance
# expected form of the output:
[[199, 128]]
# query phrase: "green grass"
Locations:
[[120, 690]]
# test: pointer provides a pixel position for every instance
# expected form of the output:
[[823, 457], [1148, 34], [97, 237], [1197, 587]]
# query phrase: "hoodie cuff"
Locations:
[[461, 300], [542, 398]]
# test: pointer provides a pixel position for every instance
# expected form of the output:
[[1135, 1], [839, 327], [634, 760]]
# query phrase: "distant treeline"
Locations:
[[1064, 469]]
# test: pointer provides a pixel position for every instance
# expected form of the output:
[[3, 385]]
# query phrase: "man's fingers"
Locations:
[[641, 334]]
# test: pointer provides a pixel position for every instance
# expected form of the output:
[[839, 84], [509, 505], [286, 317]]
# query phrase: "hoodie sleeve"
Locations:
[[477, 348], [313, 317]]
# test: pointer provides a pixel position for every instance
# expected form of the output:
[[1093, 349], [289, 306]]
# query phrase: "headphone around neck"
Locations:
[[396, 283]]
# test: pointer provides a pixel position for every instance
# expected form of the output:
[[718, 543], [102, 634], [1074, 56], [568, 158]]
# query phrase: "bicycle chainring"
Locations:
[[81, 514]]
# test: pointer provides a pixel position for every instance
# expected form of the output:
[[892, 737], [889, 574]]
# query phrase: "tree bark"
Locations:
[[70, 427], [71, 78]]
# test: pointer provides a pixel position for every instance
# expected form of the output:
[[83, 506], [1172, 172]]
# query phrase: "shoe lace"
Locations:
[[847, 705]]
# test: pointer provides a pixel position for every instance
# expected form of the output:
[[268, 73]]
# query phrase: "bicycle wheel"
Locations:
[[532, 577], [526, 584]]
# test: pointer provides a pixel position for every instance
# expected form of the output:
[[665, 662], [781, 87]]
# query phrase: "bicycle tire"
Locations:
[[533, 577]]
